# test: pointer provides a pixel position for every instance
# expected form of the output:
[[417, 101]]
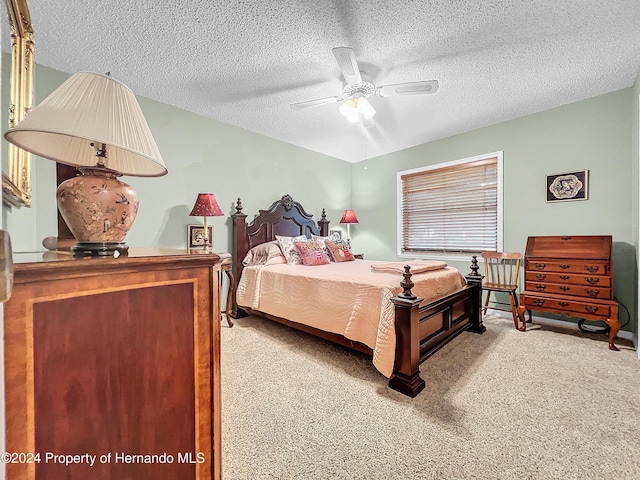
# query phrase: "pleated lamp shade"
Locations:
[[94, 123], [91, 108]]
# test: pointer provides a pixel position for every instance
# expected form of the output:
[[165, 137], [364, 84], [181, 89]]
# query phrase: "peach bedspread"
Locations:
[[345, 298]]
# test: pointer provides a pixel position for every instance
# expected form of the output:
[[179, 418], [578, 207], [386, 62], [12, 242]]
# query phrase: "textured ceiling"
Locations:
[[244, 62]]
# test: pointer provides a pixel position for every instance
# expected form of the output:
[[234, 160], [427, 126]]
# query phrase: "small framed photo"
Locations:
[[563, 187], [337, 232], [195, 237]]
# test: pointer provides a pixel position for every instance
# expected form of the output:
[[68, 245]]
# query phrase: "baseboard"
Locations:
[[630, 336]]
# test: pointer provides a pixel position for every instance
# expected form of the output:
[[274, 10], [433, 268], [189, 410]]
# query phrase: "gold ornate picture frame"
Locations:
[[16, 182]]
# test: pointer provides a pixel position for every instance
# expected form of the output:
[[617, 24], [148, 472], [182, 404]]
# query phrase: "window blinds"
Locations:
[[453, 209]]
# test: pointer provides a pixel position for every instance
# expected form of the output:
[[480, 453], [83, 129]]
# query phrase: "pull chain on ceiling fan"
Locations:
[[358, 87]]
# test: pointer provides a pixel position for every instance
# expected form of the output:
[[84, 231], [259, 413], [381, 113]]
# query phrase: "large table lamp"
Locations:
[[348, 217], [94, 123], [206, 206]]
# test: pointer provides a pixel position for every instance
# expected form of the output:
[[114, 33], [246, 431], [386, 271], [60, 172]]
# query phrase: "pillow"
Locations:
[[278, 260], [340, 251], [289, 250], [334, 237], [311, 253], [263, 253]]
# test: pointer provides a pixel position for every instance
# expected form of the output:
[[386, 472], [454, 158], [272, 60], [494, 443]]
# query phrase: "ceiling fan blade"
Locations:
[[315, 103], [348, 64], [410, 88]]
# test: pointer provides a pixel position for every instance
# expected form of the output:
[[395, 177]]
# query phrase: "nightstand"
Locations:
[[226, 266], [359, 256]]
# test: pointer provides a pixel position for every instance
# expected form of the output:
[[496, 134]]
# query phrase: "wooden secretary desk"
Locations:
[[573, 276], [115, 363]]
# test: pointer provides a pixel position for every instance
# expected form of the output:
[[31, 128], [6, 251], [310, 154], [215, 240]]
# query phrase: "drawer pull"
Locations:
[[565, 238], [592, 280], [564, 289], [592, 292], [538, 302], [564, 266], [563, 304], [540, 287], [590, 308], [565, 277], [540, 266], [541, 276], [591, 268]]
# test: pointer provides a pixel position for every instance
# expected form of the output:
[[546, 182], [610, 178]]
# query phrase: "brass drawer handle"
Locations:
[[592, 280], [541, 276], [563, 304], [538, 302], [591, 268], [564, 289], [590, 308], [565, 277], [540, 287], [540, 266], [564, 266], [592, 292]]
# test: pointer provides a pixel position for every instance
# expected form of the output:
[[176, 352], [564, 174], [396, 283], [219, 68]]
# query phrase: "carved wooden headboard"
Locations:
[[284, 217]]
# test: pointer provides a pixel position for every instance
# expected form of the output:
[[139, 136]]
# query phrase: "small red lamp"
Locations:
[[348, 217], [206, 206]]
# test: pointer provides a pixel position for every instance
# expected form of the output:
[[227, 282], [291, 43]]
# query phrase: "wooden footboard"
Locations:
[[423, 330]]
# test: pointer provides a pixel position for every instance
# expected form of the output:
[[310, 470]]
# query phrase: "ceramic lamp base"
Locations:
[[99, 249], [99, 210]]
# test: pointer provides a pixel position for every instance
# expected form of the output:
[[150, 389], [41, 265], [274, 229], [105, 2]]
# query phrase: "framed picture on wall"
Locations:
[[336, 231], [563, 187], [195, 237]]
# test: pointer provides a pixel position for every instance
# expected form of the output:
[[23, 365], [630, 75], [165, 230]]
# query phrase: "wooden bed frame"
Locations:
[[421, 330]]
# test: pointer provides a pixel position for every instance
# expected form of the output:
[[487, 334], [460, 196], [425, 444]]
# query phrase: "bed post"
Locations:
[[474, 279], [406, 371], [323, 224], [239, 250]]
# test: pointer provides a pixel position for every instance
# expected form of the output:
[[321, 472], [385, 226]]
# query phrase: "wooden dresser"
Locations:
[[114, 362], [571, 275]]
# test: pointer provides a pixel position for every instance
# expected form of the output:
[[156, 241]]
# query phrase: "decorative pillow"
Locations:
[[289, 250], [263, 253], [334, 237], [311, 253], [340, 251]]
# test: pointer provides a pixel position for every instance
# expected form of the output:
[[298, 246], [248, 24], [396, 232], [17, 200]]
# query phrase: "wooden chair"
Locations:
[[501, 271]]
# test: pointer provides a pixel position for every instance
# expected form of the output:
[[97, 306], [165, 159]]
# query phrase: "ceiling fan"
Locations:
[[358, 87]]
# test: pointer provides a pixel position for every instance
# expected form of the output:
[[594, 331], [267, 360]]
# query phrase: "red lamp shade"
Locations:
[[206, 206], [348, 217]]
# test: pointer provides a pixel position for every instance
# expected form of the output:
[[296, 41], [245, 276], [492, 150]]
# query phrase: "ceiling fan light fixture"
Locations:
[[365, 109], [349, 110], [354, 108]]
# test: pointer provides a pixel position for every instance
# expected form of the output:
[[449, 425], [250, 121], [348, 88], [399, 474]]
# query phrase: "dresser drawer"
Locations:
[[569, 289], [602, 281], [566, 305], [591, 267]]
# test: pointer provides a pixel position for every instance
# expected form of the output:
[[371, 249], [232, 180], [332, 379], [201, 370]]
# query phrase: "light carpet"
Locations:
[[547, 403]]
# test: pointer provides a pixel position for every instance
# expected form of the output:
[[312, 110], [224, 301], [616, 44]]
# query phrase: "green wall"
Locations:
[[203, 155], [594, 134]]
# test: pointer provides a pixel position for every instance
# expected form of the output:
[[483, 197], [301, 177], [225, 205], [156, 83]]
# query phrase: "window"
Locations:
[[452, 208]]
